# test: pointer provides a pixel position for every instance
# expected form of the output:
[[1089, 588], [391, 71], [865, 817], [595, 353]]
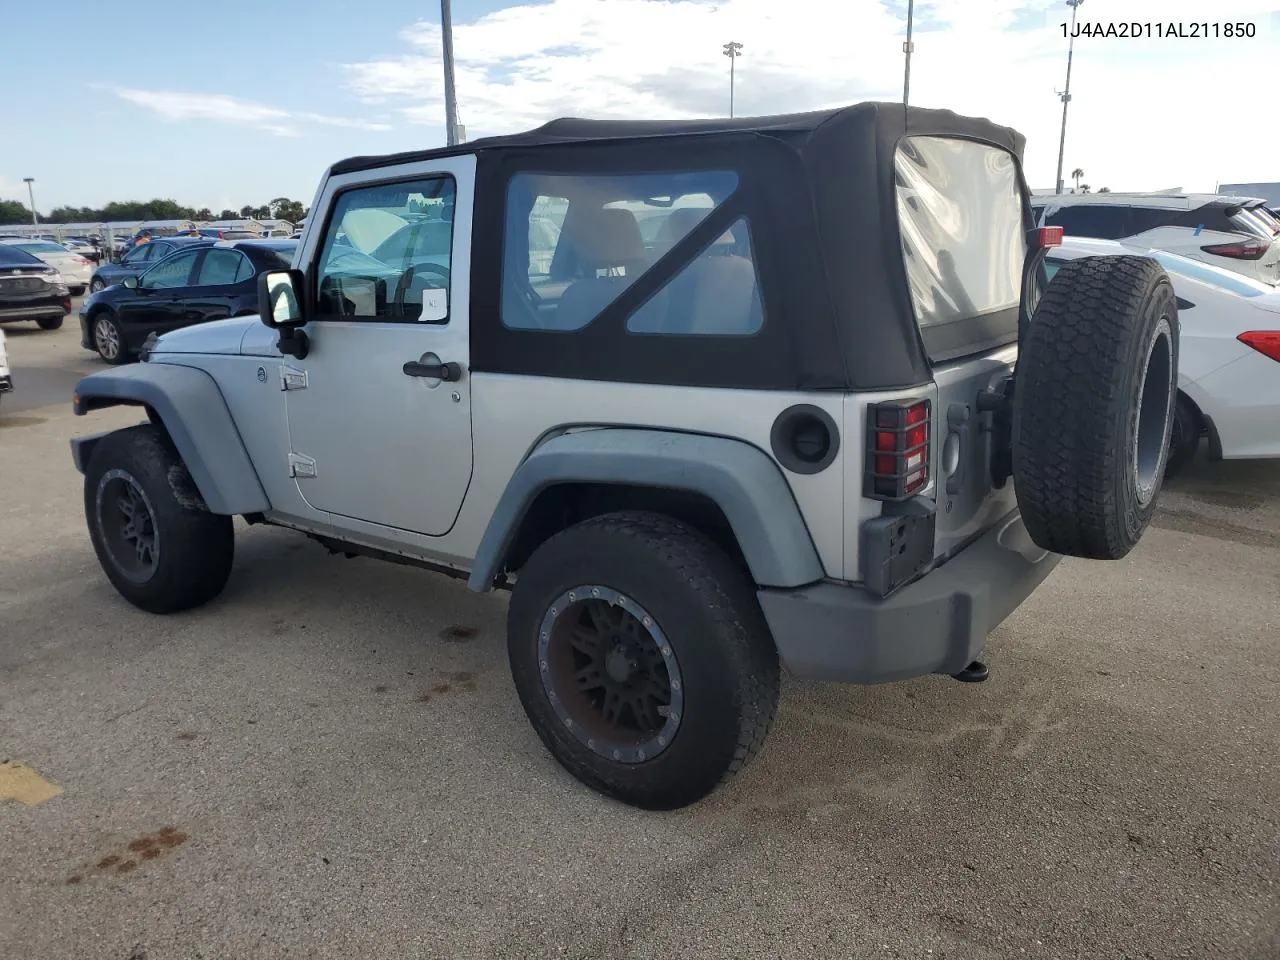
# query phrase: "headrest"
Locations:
[[607, 238], [682, 220]]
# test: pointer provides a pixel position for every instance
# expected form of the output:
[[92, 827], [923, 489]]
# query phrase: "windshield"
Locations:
[[11, 255]]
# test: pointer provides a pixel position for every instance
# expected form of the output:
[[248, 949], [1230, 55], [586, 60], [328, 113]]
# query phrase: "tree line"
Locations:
[[281, 208]]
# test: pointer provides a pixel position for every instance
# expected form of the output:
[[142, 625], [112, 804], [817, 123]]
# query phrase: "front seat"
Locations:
[[609, 251]]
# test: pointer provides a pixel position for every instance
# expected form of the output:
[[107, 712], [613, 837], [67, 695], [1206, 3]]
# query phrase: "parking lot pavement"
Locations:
[[330, 761]]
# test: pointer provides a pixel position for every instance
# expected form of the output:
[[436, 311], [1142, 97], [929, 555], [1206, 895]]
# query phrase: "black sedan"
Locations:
[[30, 289], [195, 285], [138, 260]]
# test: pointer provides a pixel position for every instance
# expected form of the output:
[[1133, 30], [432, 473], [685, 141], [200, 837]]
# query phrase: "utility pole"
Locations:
[[450, 101], [31, 193], [733, 51], [908, 48], [1065, 95]]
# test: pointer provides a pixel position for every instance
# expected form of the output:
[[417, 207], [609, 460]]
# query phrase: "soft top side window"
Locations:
[[575, 242]]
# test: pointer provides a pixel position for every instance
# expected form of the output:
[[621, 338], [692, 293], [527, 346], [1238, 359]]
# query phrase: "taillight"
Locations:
[[1266, 342], [897, 449], [1246, 250], [1050, 237]]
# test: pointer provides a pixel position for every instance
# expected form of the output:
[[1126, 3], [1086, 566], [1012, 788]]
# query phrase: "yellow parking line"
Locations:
[[19, 782]]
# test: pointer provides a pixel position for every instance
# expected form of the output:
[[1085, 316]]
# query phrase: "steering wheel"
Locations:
[[406, 278]]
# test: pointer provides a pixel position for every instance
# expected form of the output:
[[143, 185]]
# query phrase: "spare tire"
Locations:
[[1093, 405]]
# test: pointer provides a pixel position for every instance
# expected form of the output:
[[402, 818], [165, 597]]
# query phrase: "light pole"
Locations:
[[450, 102], [31, 193], [1065, 95], [908, 48], [732, 50]]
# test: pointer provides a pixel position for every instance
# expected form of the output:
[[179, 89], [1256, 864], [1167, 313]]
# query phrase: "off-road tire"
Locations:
[[707, 609], [195, 548], [1184, 441], [1101, 354], [49, 323]]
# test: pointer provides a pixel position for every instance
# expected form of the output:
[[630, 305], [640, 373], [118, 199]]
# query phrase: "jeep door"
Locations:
[[379, 433]]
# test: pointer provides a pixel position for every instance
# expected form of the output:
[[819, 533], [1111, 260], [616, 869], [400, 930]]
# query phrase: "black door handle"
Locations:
[[433, 371]]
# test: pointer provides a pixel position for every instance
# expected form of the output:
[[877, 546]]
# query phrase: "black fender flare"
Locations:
[[740, 478], [195, 415]]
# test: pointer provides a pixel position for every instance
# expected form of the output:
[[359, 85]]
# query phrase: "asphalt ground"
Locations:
[[330, 761]]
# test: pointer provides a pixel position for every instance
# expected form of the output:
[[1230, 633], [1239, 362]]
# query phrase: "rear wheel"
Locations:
[[77, 291], [157, 543], [1093, 405], [642, 658], [49, 323]]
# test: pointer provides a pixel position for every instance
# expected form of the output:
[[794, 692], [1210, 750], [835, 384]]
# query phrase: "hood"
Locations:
[[216, 337]]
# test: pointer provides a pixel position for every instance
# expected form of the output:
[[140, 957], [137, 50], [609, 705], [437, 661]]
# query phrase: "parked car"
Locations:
[[30, 289], [74, 269], [788, 441], [1229, 364], [137, 260], [84, 249], [6, 378], [196, 284], [1235, 233]]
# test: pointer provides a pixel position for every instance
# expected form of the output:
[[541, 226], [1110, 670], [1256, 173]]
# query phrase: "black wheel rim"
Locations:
[[128, 526], [1154, 414], [610, 674]]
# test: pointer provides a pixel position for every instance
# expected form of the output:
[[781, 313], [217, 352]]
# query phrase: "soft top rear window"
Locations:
[[963, 240]]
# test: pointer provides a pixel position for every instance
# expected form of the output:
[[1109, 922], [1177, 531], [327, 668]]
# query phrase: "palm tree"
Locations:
[[1076, 174]]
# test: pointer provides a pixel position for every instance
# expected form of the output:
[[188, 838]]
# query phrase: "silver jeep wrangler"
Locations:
[[711, 399]]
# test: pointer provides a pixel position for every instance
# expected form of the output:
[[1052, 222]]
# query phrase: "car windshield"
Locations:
[[14, 256]]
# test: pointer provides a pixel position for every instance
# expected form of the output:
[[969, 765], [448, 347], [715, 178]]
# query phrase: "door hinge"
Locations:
[[301, 465], [291, 379]]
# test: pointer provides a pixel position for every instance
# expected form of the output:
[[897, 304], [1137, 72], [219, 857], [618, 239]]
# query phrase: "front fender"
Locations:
[[739, 478], [190, 405]]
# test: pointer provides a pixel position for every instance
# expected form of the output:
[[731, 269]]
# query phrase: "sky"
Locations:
[[241, 101]]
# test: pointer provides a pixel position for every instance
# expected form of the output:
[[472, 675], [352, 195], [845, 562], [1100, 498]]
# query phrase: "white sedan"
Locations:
[[1229, 361], [75, 269]]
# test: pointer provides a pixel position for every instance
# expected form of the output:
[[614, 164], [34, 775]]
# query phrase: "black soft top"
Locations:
[[819, 192], [878, 123]]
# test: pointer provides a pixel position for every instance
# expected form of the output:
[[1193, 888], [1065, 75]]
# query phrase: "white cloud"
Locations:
[[177, 106], [1144, 113]]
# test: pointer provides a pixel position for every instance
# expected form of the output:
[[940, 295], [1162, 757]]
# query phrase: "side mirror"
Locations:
[[280, 307], [131, 282], [280, 300]]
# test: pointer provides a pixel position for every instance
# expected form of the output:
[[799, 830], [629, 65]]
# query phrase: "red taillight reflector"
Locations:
[[1248, 250], [1050, 237], [1266, 342], [897, 450]]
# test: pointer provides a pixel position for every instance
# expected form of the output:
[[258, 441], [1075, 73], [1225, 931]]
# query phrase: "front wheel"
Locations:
[[157, 543], [642, 658], [96, 285], [108, 339], [1184, 441]]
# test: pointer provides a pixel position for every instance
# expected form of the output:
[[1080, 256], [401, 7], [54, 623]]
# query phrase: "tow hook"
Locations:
[[975, 672]]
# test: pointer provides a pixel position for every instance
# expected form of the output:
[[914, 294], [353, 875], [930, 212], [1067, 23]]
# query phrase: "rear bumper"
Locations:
[[939, 624], [37, 310]]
